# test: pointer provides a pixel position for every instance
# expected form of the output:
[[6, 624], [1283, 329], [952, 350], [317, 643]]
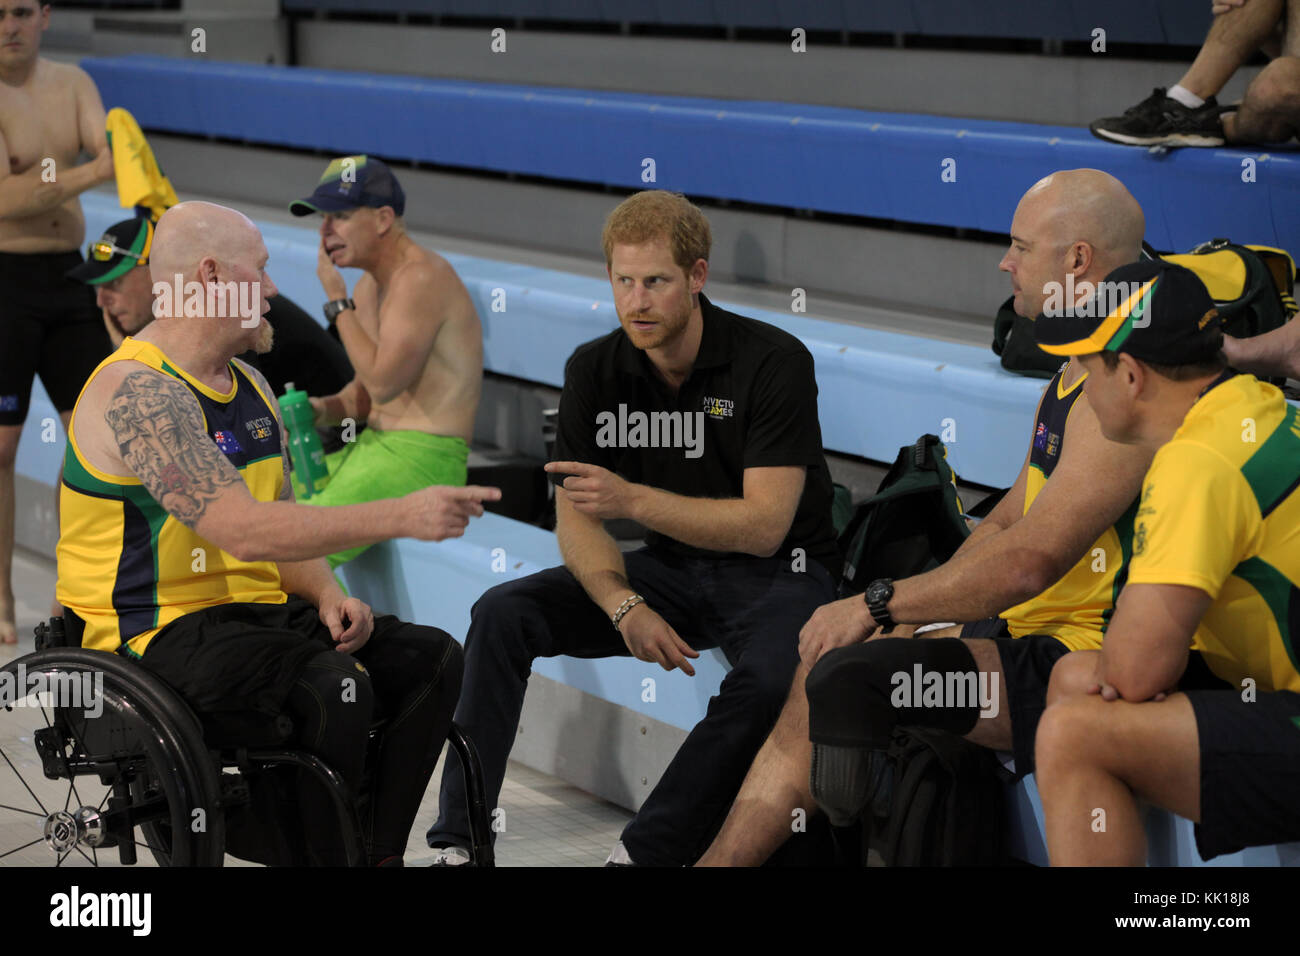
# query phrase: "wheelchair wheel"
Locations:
[[96, 755]]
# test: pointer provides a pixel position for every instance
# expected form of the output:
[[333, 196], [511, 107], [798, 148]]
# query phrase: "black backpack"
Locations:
[[938, 800], [1013, 341], [913, 522]]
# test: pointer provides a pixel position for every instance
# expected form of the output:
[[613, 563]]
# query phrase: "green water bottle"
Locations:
[[304, 444]]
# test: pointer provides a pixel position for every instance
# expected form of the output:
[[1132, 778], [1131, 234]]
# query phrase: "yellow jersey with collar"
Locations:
[[1220, 512], [125, 565]]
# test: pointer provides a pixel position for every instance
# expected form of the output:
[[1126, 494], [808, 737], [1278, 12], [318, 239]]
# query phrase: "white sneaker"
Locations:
[[619, 856], [450, 856]]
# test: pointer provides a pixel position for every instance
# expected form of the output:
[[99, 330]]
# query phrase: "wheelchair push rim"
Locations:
[[98, 762]]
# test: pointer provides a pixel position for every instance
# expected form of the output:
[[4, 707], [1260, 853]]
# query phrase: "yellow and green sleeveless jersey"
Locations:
[[1221, 512], [126, 566], [1076, 609]]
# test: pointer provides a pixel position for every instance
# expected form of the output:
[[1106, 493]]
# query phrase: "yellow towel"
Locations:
[[140, 181]]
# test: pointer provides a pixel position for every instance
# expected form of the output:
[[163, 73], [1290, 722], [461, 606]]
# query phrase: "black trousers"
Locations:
[[752, 608], [273, 658]]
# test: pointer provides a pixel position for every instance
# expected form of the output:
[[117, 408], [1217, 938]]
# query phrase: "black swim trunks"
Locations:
[[49, 325]]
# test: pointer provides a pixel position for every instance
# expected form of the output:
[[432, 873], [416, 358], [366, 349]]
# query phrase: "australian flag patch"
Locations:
[[1040, 436], [227, 442]]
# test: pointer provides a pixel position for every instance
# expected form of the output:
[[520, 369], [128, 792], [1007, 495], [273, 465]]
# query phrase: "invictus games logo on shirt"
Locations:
[[1140, 525], [259, 428], [719, 407], [651, 430]]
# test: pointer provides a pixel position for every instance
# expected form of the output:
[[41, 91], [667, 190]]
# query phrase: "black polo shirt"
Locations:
[[749, 402]]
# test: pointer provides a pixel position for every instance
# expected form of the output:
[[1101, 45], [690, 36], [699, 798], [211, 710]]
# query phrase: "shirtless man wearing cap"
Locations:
[[411, 332], [49, 114]]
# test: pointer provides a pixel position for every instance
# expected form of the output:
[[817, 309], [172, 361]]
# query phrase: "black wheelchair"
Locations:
[[77, 720]]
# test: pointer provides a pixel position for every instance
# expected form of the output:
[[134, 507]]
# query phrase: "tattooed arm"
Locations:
[[157, 434], [158, 428]]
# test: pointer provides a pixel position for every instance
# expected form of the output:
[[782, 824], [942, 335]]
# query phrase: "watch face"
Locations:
[[878, 591]]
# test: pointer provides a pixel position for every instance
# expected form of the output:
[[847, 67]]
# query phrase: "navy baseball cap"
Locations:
[[352, 181], [119, 250], [1153, 310]]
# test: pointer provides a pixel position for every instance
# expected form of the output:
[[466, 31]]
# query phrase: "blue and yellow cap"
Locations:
[[352, 181]]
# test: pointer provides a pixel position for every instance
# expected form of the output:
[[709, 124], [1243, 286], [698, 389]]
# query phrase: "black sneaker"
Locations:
[[1161, 121]]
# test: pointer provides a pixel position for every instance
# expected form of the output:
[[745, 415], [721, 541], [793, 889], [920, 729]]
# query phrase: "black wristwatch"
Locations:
[[878, 594], [335, 306]]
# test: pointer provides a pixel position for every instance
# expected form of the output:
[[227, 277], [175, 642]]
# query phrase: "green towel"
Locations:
[[389, 464]]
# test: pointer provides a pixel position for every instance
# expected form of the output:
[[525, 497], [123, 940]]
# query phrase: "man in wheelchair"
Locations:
[[182, 547]]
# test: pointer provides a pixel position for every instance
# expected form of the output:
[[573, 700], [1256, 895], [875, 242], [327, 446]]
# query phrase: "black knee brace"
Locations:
[[857, 695]]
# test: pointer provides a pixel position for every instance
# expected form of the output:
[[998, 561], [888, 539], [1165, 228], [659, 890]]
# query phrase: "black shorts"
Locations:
[[1250, 769], [989, 627], [49, 325], [1027, 664]]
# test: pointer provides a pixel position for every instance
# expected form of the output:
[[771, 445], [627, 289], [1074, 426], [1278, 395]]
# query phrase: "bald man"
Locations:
[[182, 547], [1035, 578]]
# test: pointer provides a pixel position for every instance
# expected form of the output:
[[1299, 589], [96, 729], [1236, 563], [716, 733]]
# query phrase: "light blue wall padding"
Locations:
[[788, 155]]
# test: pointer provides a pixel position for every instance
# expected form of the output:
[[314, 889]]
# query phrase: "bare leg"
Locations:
[[1270, 111], [994, 731], [1095, 759], [1234, 36], [1072, 675], [8, 453], [776, 786]]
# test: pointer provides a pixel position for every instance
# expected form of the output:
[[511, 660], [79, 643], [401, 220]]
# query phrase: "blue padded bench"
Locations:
[[828, 159], [1125, 21]]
